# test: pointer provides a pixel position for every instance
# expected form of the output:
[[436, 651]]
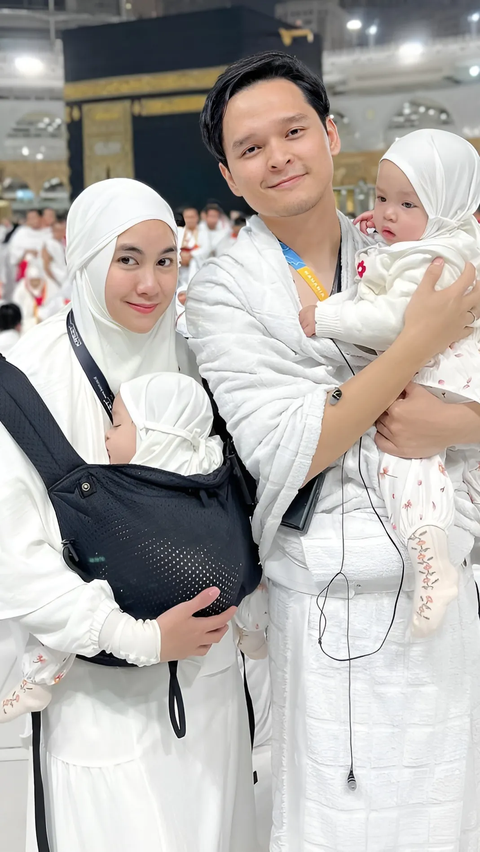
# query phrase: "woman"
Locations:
[[115, 776]]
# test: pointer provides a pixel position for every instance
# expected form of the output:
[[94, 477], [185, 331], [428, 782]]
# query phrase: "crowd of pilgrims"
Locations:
[[33, 279]]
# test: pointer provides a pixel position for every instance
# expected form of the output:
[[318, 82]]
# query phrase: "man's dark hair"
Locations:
[[10, 316], [213, 206], [179, 220], [239, 221], [271, 65]]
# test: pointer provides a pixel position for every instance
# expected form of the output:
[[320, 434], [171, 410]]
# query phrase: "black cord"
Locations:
[[351, 780]]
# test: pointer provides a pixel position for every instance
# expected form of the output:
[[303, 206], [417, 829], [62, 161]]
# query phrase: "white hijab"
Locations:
[[174, 419], [97, 217], [444, 170]]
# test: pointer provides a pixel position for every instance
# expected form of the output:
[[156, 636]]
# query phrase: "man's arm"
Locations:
[[419, 425]]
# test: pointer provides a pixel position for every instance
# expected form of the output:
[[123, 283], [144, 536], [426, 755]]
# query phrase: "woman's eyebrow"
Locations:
[[169, 250], [126, 247]]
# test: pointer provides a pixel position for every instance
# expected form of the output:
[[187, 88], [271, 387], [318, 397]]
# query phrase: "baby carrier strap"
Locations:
[[35, 430]]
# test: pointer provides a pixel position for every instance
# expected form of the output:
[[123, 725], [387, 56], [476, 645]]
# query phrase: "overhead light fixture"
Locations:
[[25, 151], [29, 65], [373, 30], [354, 24], [474, 70], [411, 49], [39, 156], [474, 17]]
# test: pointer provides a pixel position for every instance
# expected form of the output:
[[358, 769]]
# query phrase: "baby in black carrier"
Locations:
[[162, 420]]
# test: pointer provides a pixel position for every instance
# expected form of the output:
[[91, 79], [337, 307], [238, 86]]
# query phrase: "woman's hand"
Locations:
[[365, 220], [184, 636], [436, 318]]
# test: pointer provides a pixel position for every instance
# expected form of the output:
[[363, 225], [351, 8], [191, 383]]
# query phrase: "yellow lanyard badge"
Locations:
[[295, 261]]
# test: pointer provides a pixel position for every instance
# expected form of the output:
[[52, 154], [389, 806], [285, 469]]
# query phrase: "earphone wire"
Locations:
[[351, 780]]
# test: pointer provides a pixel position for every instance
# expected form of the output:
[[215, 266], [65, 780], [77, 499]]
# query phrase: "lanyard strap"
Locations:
[[295, 261], [90, 368]]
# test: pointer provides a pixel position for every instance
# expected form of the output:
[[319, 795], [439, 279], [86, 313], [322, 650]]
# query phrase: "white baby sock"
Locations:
[[436, 579], [25, 698]]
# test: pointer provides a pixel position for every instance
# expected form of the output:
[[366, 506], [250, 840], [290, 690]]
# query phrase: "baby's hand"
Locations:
[[365, 220], [307, 320]]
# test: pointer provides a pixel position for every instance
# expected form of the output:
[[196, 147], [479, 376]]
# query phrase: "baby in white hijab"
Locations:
[[428, 188], [161, 420]]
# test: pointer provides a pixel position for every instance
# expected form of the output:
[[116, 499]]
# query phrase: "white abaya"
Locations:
[[415, 705], [116, 777]]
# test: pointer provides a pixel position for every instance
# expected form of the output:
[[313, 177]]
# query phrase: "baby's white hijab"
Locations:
[[444, 170], [173, 417], [97, 217]]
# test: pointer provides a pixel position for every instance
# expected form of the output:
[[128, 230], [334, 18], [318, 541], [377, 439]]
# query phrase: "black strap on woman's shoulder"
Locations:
[[39, 796], [89, 367], [33, 427]]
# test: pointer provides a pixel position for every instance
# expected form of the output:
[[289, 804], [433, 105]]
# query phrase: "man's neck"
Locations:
[[314, 235]]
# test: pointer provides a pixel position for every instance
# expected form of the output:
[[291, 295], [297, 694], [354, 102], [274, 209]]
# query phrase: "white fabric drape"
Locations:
[[174, 419], [270, 382]]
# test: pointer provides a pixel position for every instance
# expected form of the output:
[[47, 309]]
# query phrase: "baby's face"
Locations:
[[398, 214], [121, 439]]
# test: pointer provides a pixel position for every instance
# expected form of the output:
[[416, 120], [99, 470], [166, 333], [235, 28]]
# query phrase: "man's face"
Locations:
[[33, 220], [191, 218], [58, 231], [212, 218], [49, 217], [278, 152]]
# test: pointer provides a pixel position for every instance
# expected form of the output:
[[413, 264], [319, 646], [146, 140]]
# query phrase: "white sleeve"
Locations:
[[37, 588], [273, 408], [375, 317]]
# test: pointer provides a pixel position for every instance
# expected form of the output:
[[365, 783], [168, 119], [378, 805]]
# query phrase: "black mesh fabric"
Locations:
[[158, 538]]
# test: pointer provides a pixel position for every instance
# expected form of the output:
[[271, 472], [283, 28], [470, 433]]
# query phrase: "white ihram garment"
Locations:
[[416, 707], [116, 777], [444, 170]]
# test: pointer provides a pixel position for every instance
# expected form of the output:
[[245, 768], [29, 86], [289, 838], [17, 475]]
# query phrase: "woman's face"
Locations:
[[142, 277]]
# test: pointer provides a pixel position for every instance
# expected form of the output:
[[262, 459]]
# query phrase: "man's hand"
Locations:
[[419, 425]]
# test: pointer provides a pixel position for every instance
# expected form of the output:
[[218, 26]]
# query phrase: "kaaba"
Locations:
[[134, 92]]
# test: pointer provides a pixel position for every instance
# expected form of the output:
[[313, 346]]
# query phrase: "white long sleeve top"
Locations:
[[387, 277]]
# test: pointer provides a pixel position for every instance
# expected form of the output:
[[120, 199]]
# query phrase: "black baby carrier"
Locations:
[[158, 538]]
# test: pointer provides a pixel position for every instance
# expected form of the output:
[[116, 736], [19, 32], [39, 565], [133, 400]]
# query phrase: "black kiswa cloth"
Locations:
[[158, 538]]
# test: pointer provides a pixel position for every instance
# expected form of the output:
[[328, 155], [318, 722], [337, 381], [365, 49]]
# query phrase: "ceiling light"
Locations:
[[29, 65], [354, 24], [422, 108], [431, 111], [373, 30], [25, 151], [39, 156], [411, 49], [474, 70], [474, 17]]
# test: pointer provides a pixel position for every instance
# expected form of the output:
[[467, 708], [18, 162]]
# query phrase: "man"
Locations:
[[49, 217], [375, 738], [53, 254], [27, 240], [228, 242], [211, 231]]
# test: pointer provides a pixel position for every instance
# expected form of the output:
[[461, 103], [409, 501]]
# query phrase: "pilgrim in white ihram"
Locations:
[[116, 778], [415, 706], [438, 174]]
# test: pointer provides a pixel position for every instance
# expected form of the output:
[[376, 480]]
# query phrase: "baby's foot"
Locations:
[[436, 579], [25, 698]]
